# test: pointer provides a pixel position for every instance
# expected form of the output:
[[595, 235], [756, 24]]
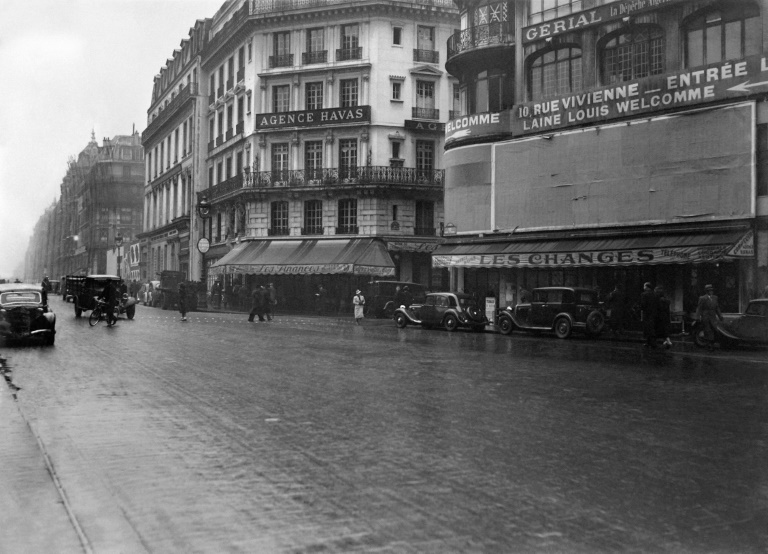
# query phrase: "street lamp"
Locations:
[[203, 245], [119, 244]]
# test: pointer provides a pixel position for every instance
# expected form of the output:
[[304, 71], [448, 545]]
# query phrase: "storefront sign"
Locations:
[[429, 126], [409, 246], [745, 247], [314, 118], [563, 260], [732, 80], [309, 269], [490, 308], [588, 18], [477, 125]]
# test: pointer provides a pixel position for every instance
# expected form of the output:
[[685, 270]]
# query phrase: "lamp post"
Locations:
[[119, 244], [203, 245]]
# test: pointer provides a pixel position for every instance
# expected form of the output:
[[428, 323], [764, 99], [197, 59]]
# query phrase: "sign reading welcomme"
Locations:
[[732, 80], [477, 125], [601, 14], [314, 118]]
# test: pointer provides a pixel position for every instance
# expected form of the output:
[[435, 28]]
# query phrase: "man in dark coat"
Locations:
[[708, 312], [109, 296], [649, 309], [257, 303], [46, 284], [617, 303], [663, 316]]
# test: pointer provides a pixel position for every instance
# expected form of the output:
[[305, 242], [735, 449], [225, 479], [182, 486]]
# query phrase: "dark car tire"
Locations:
[[474, 313], [130, 311], [450, 323], [563, 328], [595, 323], [506, 325], [50, 339], [401, 321]]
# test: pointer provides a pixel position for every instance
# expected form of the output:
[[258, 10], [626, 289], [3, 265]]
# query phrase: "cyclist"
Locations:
[[109, 296]]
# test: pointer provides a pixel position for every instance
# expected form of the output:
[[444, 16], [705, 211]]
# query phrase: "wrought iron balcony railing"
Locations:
[[490, 34], [343, 54], [319, 56], [283, 60], [185, 94], [425, 113], [426, 56], [270, 6], [313, 230], [331, 177]]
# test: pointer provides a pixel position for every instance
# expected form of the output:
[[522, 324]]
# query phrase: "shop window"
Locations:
[[544, 10], [732, 32], [633, 55]]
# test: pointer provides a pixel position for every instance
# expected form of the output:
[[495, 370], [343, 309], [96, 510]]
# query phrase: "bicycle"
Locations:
[[100, 313]]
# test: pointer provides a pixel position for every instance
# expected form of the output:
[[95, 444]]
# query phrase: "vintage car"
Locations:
[[380, 296], [84, 290], [445, 309], [23, 314], [749, 328], [559, 309]]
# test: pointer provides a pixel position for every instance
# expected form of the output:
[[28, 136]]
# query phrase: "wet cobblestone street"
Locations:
[[316, 435]]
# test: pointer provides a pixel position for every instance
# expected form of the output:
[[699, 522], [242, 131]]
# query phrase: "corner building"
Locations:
[[609, 142], [325, 133]]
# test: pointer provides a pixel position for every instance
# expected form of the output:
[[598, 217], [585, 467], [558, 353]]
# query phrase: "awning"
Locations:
[[307, 257], [600, 252]]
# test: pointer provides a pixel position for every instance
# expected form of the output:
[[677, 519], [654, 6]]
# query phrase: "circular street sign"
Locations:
[[203, 245]]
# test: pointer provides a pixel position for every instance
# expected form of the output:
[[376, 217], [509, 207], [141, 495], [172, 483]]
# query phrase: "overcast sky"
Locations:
[[69, 67]]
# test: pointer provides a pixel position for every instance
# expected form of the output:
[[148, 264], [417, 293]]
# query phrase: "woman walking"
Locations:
[[359, 302], [183, 300]]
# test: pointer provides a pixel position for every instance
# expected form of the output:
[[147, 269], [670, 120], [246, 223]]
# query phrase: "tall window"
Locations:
[[633, 55], [489, 91], [350, 36], [348, 216], [280, 161], [313, 217], [717, 35], [425, 38], [282, 43], [347, 158], [555, 72], [425, 159], [313, 159], [425, 218], [281, 98], [348, 93], [544, 10], [314, 96], [279, 218], [425, 94]]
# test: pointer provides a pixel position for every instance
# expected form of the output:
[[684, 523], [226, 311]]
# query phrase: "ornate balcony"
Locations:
[[344, 54], [330, 178], [425, 113], [481, 36], [426, 56], [271, 6], [187, 93], [320, 56], [284, 60]]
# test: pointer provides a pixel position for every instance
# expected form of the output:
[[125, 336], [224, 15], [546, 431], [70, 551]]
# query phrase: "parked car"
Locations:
[[86, 288], [559, 309], [748, 328], [450, 310], [23, 314], [380, 296]]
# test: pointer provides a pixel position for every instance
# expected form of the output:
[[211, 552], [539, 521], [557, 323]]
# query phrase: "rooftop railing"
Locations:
[[491, 34], [269, 6]]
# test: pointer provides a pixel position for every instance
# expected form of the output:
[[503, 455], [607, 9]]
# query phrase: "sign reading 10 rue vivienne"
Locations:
[[726, 80], [314, 118]]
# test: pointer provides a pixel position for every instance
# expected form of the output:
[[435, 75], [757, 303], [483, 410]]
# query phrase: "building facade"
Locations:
[[174, 155], [324, 137], [606, 143]]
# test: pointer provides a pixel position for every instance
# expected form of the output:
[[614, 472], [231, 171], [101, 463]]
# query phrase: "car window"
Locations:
[[554, 296], [586, 297], [539, 296], [451, 301], [442, 301], [430, 301], [20, 297], [757, 308]]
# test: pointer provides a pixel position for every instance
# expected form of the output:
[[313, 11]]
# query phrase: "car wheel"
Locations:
[[130, 311], [505, 325], [400, 320], [50, 339], [450, 322], [563, 328], [595, 323]]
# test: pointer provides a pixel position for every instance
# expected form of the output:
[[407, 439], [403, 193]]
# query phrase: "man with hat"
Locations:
[[708, 313], [648, 310], [359, 302]]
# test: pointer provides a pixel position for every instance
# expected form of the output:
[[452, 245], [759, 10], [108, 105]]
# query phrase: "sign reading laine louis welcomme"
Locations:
[[314, 118], [726, 80]]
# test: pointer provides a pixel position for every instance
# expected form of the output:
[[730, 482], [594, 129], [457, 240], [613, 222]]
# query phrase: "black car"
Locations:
[[380, 296], [749, 328], [559, 309], [450, 310], [24, 313]]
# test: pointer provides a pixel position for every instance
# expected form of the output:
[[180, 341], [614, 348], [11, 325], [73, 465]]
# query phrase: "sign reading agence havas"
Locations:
[[601, 14], [314, 118], [733, 79]]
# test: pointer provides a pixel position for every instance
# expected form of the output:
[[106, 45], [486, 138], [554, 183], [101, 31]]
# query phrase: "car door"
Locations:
[[753, 323], [537, 316], [427, 311]]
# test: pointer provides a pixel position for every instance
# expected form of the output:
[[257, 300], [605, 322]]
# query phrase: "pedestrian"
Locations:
[[183, 300], [257, 303], [46, 285], [648, 310], [617, 305], [663, 316], [320, 300], [708, 313], [109, 296], [359, 301], [271, 300], [525, 296]]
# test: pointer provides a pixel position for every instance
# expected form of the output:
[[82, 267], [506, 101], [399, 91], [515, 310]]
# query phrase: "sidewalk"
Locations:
[[34, 513]]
